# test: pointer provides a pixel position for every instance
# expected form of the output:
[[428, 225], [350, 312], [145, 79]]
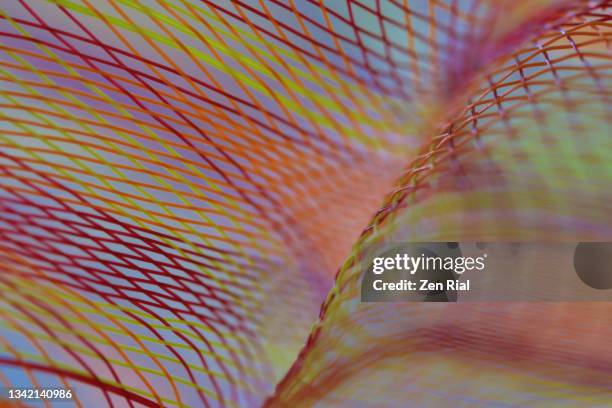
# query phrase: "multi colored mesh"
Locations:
[[181, 180], [525, 159]]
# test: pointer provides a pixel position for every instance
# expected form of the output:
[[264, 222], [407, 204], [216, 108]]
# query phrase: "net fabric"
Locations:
[[180, 180]]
